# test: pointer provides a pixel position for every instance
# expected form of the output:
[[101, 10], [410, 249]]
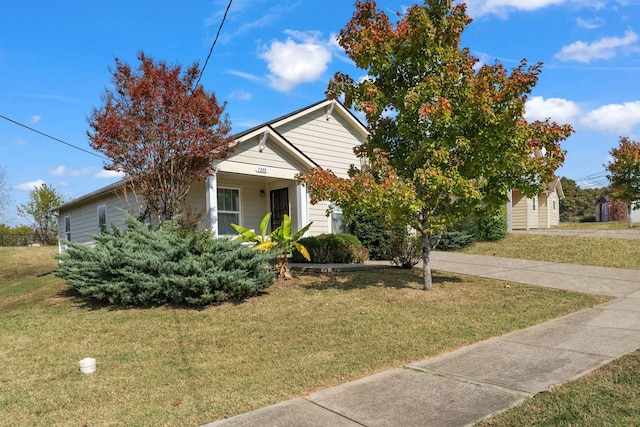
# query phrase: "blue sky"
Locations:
[[274, 57]]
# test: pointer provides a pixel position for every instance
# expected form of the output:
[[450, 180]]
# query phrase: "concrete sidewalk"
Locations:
[[464, 386]]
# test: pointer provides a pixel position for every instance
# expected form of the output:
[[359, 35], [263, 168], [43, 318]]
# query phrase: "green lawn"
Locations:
[[180, 366], [597, 251]]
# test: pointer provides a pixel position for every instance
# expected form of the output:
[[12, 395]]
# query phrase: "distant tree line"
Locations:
[[579, 204]]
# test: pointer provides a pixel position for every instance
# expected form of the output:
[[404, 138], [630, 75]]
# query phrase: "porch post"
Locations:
[[302, 206], [212, 203]]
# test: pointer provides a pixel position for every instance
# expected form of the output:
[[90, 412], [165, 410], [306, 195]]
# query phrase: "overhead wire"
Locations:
[[53, 137], [215, 40]]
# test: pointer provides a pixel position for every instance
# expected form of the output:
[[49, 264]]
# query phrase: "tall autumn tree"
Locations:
[[161, 131], [448, 137], [624, 174], [38, 212]]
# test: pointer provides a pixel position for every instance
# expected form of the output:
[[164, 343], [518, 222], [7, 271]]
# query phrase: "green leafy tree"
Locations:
[[161, 131], [578, 203], [624, 174], [447, 136], [38, 212]]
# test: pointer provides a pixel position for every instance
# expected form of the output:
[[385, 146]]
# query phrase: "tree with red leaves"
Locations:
[[624, 174], [161, 131], [448, 136]]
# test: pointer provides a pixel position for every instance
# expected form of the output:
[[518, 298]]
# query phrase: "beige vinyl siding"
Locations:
[[329, 143], [272, 156], [519, 211], [554, 209], [543, 216], [318, 214], [84, 218]]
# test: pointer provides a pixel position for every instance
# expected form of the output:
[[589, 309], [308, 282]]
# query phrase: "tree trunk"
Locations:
[[426, 269], [629, 219]]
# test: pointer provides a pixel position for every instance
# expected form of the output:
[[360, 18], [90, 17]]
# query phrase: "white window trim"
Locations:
[[220, 211], [67, 232], [103, 206]]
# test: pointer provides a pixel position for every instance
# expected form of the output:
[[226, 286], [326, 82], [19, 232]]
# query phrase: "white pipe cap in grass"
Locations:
[[88, 365]]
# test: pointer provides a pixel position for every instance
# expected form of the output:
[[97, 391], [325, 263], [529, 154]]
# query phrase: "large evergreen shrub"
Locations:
[[492, 226], [143, 266], [339, 248], [372, 235]]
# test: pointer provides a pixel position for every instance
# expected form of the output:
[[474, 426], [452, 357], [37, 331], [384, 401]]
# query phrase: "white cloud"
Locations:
[[605, 48], [246, 76], [618, 119], [557, 109], [34, 119], [241, 95], [28, 186], [292, 62], [62, 170], [590, 24], [503, 7], [108, 174]]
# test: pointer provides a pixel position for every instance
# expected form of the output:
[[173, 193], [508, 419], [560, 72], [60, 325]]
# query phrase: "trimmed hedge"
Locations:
[[341, 248], [144, 266]]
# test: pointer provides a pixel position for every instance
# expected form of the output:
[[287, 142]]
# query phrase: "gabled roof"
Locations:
[[279, 139], [331, 107], [556, 185]]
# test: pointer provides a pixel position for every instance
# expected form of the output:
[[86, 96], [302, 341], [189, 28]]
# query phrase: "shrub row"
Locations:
[[333, 248]]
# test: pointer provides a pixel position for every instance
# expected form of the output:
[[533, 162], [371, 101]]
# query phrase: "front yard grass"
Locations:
[[596, 251], [182, 366]]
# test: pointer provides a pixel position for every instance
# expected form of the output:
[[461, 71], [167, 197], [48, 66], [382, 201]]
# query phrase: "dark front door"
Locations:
[[279, 206]]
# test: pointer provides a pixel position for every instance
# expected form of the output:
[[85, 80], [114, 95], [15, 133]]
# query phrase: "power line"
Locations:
[[215, 40], [54, 138]]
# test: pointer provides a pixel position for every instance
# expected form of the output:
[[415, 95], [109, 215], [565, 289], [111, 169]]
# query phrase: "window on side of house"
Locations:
[[228, 210], [554, 205], [533, 203], [67, 228], [102, 217], [337, 220]]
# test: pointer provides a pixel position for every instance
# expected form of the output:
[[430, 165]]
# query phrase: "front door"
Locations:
[[279, 206]]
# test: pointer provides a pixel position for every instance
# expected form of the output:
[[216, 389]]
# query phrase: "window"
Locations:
[[67, 228], [102, 217], [337, 220], [554, 205], [228, 210], [533, 203]]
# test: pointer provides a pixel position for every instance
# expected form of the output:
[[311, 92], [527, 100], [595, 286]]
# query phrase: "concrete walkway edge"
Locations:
[[474, 382]]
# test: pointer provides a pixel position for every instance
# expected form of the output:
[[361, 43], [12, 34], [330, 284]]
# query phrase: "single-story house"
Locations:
[[259, 177], [540, 211]]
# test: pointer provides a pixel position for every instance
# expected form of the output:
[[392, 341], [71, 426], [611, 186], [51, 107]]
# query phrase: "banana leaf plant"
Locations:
[[279, 240]]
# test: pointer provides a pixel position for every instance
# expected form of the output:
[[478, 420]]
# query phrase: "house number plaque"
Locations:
[[261, 169]]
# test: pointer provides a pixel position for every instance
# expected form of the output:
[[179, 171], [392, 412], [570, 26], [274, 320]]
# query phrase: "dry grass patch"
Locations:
[[596, 251], [177, 366]]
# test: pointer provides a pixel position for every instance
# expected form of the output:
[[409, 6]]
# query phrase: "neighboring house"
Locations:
[[540, 211], [608, 209], [259, 177]]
